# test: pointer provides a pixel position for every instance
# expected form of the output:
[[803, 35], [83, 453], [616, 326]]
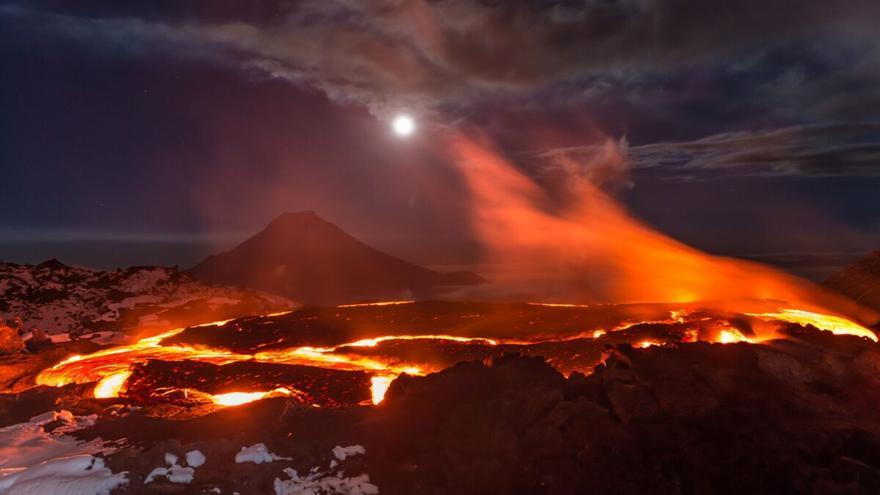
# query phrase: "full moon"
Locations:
[[403, 125]]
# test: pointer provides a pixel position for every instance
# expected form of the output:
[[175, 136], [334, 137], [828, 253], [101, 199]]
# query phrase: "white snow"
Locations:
[[195, 458], [258, 453], [317, 483], [342, 452], [159, 471], [36, 461], [77, 475], [329, 482], [25, 445], [178, 474], [175, 472]]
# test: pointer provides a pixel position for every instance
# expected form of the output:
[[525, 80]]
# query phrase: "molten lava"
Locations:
[[378, 386], [383, 357], [110, 385], [239, 398], [834, 324]]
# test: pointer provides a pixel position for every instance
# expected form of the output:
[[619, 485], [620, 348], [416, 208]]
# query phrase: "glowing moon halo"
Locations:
[[403, 125]]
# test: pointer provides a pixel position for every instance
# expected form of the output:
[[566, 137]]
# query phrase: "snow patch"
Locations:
[[329, 482], [258, 453], [24, 445], [195, 458], [175, 473], [36, 460], [76, 475], [342, 452]]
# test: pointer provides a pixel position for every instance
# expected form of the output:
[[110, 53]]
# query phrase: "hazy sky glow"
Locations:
[[748, 126]]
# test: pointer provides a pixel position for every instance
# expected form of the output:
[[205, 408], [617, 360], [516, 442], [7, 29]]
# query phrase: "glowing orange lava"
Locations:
[[111, 368], [644, 344], [379, 303], [730, 336], [378, 386], [110, 385], [834, 324], [239, 398]]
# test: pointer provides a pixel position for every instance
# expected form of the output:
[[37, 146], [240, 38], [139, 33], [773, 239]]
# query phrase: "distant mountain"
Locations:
[[60, 299], [860, 281], [303, 257]]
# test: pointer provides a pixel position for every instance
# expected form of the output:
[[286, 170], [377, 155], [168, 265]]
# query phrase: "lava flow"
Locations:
[[167, 367]]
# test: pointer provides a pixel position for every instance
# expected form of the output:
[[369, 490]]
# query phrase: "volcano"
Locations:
[[303, 257]]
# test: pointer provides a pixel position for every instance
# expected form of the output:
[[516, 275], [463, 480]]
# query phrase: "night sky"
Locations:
[[155, 132]]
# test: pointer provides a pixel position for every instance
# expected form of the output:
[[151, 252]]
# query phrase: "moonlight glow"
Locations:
[[403, 125]]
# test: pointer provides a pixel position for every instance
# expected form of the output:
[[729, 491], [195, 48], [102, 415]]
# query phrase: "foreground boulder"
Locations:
[[791, 417]]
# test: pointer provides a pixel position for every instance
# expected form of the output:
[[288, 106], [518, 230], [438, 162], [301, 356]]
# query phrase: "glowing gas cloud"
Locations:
[[589, 249]]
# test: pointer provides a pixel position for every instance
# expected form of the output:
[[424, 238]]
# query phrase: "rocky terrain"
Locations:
[[789, 416], [305, 258], [860, 281], [65, 301]]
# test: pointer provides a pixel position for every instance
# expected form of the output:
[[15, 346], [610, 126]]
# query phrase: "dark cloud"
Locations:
[[807, 151], [430, 55]]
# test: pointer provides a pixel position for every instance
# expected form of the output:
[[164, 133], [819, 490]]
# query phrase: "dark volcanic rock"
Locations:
[[700, 418], [860, 281], [305, 258]]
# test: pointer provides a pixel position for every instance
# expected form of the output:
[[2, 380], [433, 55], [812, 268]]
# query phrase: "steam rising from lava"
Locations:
[[591, 250]]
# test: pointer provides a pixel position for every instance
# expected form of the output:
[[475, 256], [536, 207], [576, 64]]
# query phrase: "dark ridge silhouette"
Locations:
[[304, 257], [859, 281]]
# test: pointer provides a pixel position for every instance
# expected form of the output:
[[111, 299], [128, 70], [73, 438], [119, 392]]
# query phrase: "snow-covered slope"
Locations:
[[59, 299]]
